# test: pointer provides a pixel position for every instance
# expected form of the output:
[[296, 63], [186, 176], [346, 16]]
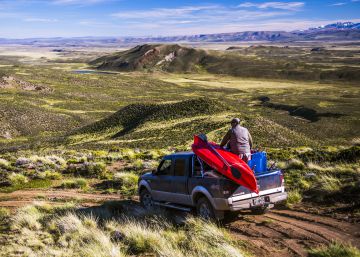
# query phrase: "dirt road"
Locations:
[[291, 233], [24, 197], [281, 233]]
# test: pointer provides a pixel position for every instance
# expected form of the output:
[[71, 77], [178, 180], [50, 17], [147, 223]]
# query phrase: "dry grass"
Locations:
[[43, 230], [294, 197]]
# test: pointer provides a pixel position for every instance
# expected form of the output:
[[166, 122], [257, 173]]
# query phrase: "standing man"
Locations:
[[239, 139]]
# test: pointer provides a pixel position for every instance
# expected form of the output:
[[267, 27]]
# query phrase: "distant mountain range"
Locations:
[[331, 32], [339, 25]]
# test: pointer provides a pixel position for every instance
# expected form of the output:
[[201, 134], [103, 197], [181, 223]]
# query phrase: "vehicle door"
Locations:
[[161, 181], [180, 180]]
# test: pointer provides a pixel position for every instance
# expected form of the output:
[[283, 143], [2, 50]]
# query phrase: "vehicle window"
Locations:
[[180, 167], [165, 168], [197, 167]]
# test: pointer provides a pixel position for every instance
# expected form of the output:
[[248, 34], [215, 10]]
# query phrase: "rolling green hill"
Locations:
[[174, 124]]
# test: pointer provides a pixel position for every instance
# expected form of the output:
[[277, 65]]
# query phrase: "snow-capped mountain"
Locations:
[[339, 25]]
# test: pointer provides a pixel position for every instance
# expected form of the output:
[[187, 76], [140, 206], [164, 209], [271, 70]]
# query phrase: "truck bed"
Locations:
[[272, 190]]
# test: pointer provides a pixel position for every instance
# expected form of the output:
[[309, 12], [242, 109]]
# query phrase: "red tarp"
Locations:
[[227, 163]]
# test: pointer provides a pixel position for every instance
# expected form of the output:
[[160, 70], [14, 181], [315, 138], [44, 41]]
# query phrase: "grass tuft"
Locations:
[[52, 175], [294, 197], [335, 250], [76, 183], [128, 181], [295, 164], [4, 163], [4, 213]]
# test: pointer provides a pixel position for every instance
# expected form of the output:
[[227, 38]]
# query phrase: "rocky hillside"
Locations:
[[171, 58]]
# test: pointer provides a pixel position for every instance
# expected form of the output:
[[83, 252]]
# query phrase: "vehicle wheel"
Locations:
[[204, 209], [259, 210], [146, 199]]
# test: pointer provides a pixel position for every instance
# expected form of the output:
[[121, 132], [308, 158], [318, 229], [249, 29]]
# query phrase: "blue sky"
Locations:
[[75, 18]]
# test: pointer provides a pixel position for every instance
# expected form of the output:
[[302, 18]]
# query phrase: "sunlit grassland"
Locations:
[[81, 99]]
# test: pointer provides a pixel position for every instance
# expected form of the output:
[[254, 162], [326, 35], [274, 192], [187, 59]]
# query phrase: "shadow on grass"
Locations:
[[131, 209], [298, 110]]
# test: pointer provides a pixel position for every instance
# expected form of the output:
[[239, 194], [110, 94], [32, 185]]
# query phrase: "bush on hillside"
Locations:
[[17, 179]]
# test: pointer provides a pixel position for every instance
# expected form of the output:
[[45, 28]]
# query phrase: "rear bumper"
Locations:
[[231, 205]]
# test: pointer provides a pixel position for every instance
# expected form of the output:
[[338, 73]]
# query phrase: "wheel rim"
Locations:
[[147, 201], [204, 211]]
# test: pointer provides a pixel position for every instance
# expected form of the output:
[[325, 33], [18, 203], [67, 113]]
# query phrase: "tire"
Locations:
[[204, 209], [146, 199]]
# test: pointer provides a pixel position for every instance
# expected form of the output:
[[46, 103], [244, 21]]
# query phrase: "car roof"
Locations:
[[185, 154]]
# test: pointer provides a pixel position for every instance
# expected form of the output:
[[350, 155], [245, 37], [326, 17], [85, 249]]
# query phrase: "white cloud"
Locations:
[[190, 19], [163, 12], [77, 2], [40, 20], [152, 29], [274, 5], [338, 4], [195, 14]]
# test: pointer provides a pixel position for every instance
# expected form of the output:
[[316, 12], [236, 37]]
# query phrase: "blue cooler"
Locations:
[[258, 162]]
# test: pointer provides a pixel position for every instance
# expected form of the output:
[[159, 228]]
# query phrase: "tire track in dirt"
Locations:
[[328, 232], [290, 233], [24, 197], [344, 226]]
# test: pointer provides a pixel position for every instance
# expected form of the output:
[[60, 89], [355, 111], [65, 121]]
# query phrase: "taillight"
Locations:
[[282, 179]]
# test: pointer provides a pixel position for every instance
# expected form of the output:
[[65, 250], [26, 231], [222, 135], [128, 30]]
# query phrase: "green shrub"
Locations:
[[138, 164], [42, 161], [294, 197], [328, 183], [59, 161], [295, 164], [335, 250], [128, 181], [4, 213], [281, 165], [350, 154], [48, 174], [4, 163], [17, 179], [100, 153], [88, 169], [93, 169], [304, 184], [76, 183]]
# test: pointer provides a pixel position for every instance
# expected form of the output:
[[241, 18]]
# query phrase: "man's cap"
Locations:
[[235, 120]]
